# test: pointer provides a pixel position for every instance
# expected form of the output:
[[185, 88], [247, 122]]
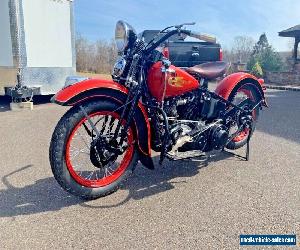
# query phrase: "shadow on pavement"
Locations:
[[4, 103], [145, 183], [42, 196], [45, 194]]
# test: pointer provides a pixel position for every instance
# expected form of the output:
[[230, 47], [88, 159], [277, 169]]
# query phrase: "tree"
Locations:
[[265, 55], [262, 44], [96, 57], [242, 49], [82, 57], [257, 70], [105, 56]]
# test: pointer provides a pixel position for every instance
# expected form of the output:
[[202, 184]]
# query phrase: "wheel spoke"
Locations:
[[89, 177], [104, 125], [111, 123], [96, 174], [82, 138], [79, 173], [87, 130], [107, 172], [74, 153]]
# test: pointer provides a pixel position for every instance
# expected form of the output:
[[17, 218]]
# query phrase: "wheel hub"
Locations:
[[101, 153]]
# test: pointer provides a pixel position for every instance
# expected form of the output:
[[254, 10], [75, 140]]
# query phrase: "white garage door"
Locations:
[[47, 33]]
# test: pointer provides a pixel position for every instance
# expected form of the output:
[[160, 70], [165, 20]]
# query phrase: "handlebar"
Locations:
[[164, 38]]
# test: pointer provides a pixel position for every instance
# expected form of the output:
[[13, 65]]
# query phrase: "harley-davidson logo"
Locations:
[[177, 81]]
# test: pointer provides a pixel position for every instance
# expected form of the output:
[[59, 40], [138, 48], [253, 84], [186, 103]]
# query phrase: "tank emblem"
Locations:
[[177, 81]]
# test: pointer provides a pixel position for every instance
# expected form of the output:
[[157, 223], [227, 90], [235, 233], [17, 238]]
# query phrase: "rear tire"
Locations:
[[252, 93], [59, 158]]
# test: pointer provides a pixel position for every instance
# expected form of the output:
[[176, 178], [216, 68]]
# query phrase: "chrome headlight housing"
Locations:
[[119, 67], [124, 35]]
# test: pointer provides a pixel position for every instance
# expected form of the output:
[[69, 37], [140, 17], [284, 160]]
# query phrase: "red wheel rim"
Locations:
[[114, 175], [241, 136], [244, 134]]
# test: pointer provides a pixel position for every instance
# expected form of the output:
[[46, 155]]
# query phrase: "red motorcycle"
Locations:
[[149, 105]]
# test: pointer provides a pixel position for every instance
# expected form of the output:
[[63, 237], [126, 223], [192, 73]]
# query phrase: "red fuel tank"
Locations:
[[178, 82]]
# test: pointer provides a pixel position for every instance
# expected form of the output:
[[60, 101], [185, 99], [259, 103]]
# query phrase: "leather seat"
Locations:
[[210, 70]]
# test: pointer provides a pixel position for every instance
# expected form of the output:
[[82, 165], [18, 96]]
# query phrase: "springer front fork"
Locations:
[[127, 113]]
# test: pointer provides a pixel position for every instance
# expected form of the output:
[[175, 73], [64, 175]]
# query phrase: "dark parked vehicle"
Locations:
[[186, 53]]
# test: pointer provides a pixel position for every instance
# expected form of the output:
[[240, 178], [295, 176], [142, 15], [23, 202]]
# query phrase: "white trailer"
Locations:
[[37, 39]]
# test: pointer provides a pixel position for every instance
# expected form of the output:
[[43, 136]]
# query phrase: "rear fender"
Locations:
[[226, 86], [107, 89]]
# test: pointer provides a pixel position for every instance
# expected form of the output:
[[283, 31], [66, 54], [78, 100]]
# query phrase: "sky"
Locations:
[[96, 19]]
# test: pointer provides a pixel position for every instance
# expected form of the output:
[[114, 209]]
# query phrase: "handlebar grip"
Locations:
[[204, 37]]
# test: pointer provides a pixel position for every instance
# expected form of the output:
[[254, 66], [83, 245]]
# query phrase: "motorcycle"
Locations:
[[148, 105]]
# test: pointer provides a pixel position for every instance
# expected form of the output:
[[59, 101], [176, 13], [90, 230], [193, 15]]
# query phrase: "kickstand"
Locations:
[[246, 158], [248, 148]]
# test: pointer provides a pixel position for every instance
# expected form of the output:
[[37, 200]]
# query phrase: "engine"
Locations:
[[212, 138], [196, 105], [192, 117]]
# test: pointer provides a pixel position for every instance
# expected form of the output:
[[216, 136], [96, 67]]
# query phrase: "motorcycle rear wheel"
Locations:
[[249, 91], [91, 179]]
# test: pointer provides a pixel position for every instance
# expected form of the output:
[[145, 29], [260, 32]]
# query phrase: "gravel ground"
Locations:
[[190, 205]]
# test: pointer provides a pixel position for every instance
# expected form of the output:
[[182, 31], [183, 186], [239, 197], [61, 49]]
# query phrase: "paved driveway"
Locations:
[[190, 205]]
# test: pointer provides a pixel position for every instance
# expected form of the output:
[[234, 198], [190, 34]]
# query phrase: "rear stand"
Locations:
[[21, 95], [246, 158]]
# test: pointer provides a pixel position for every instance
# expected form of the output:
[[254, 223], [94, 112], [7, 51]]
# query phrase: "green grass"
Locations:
[[93, 75]]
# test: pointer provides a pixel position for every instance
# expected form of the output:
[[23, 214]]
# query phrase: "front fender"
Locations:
[[226, 86], [108, 89]]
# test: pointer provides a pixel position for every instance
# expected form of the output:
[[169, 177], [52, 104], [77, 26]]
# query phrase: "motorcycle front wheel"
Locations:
[[86, 164]]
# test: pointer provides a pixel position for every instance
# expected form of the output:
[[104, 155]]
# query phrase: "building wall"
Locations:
[[283, 78], [47, 33], [8, 78], [41, 43], [6, 58]]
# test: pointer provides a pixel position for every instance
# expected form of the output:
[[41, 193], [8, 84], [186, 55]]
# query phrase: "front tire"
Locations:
[[89, 183]]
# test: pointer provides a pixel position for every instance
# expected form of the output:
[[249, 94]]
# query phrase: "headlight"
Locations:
[[124, 35]]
